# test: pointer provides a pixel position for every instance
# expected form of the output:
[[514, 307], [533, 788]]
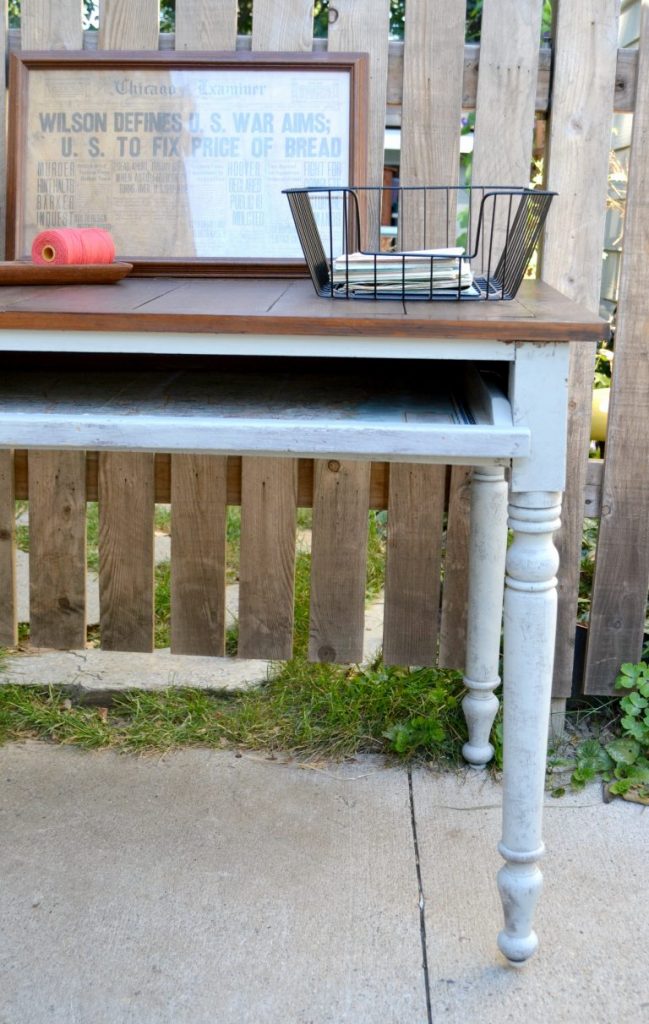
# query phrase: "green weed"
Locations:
[[623, 762]]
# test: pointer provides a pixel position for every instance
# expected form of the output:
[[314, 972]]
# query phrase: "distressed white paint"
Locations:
[[303, 414], [539, 394], [185, 343], [530, 626], [487, 549], [416, 442]]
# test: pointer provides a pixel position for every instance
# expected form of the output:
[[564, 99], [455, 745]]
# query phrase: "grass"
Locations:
[[325, 712], [304, 709]]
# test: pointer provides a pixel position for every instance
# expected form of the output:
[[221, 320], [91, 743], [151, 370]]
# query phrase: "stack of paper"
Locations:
[[414, 272]]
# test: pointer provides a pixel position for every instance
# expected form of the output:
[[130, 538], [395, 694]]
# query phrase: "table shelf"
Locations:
[[363, 411]]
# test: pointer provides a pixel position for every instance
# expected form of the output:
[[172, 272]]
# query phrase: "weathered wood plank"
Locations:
[[505, 100], [625, 78], [578, 148], [621, 581], [504, 118], [267, 557], [48, 25], [412, 572], [502, 155], [3, 132], [57, 599], [206, 25], [432, 106], [338, 561], [363, 26], [198, 509], [126, 511], [285, 26], [452, 635], [378, 480], [8, 608], [57, 549], [124, 25]]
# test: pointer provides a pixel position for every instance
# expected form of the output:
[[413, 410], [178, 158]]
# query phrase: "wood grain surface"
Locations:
[[363, 26], [50, 25], [126, 510], [539, 313], [504, 117], [412, 572], [285, 26], [57, 549], [8, 608], [267, 557], [206, 25], [57, 501], [124, 25], [338, 561], [198, 510], [378, 479], [452, 639], [625, 78], [619, 602], [432, 106], [579, 139]]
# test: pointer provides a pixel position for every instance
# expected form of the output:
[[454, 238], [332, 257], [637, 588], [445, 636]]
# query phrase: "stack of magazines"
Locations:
[[417, 273]]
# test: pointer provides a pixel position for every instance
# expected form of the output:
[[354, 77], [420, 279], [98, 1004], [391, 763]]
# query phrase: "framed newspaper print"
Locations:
[[182, 157]]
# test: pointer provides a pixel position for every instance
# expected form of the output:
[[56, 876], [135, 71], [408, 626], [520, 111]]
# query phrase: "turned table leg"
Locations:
[[529, 635], [487, 550]]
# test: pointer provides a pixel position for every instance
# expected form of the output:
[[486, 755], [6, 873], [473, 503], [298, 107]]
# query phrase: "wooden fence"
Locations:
[[422, 84]]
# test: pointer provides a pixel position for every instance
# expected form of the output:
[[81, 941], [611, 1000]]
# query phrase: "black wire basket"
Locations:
[[430, 242]]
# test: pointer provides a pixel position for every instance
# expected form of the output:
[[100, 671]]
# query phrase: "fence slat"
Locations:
[[577, 165], [198, 510], [51, 25], [504, 118], [8, 609], [206, 24], [3, 129], [48, 25], [364, 26], [452, 636], [432, 106], [622, 565], [57, 549], [338, 560], [285, 26], [126, 511], [502, 154], [267, 557], [124, 25], [412, 572]]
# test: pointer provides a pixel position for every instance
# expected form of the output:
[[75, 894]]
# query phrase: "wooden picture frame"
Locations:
[[181, 156]]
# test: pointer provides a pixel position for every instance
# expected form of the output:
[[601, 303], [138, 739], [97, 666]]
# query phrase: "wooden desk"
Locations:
[[521, 427]]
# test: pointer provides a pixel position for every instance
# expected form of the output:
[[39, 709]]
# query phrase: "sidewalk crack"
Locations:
[[422, 901]]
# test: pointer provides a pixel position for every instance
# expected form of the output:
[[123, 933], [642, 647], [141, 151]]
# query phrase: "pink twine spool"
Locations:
[[73, 245]]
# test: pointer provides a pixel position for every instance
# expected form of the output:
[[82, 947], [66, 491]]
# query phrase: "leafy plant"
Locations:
[[624, 761], [603, 365]]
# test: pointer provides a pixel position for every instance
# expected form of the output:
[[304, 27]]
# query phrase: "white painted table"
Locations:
[[521, 427]]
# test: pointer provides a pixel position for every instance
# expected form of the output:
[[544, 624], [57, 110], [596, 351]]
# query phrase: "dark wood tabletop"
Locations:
[[218, 306]]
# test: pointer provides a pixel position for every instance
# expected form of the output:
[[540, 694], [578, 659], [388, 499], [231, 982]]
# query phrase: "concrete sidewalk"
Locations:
[[206, 888]]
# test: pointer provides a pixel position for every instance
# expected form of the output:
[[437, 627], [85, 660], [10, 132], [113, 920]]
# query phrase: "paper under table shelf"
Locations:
[[393, 413]]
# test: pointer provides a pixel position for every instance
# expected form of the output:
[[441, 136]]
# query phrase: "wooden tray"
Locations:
[[20, 272]]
